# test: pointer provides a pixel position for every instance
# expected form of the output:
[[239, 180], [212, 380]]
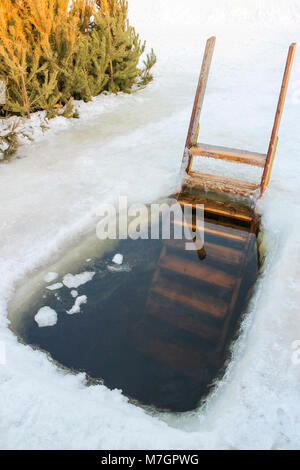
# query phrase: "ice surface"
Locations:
[[132, 145], [74, 293], [82, 299], [77, 280], [46, 316], [50, 277]]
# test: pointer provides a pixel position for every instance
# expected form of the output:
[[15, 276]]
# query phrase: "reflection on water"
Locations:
[[158, 326]]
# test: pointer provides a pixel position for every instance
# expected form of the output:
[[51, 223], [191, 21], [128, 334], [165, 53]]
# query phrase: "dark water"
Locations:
[[159, 335]]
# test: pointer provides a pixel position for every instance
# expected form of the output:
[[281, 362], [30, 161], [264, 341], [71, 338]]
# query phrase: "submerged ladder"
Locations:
[[196, 298], [194, 148]]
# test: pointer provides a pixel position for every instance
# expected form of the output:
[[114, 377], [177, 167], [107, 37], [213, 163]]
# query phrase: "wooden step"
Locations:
[[186, 360], [182, 294], [197, 270], [223, 221], [218, 230], [183, 318], [219, 208], [224, 153], [220, 183], [213, 251], [233, 224]]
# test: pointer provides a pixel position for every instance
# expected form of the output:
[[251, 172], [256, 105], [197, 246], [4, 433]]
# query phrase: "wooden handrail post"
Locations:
[[199, 98], [279, 110]]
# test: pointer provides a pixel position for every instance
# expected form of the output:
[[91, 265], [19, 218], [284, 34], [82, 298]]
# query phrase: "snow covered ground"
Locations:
[[132, 145]]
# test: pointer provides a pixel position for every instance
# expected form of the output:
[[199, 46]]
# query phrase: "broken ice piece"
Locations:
[[56, 286], [46, 316], [118, 259], [118, 269], [74, 293], [77, 280], [76, 307]]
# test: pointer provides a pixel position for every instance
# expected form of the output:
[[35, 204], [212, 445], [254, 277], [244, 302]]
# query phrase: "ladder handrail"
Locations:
[[199, 98], [198, 102], [278, 115], [193, 130]]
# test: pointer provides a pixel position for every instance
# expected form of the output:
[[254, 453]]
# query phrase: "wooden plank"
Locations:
[[235, 293], [220, 183], [184, 359], [197, 270], [211, 306], [214, 230], [213, 251], [278, 115], [224, 153], [182, 319], [219, 208], [200, 92]]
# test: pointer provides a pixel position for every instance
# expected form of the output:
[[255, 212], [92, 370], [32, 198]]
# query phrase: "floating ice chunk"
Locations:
[[76, 307], [50, 277], [88, 260], [117, 269], [46, 316], [77, 280], [56, 286], [118, 259], [74, 293]]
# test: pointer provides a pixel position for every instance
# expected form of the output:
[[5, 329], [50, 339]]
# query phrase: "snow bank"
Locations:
[[37, 127], [49, 200]]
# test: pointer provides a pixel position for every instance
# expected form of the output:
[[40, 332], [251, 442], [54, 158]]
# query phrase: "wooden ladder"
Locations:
[[196, 297], [193, 148], [199, 297]]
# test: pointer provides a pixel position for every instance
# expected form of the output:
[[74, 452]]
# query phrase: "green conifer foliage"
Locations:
[[51, 53]]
